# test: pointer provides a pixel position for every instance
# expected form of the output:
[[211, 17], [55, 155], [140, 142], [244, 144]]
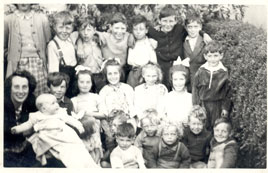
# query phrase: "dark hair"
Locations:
[[75, 89], [23, 74], [167, 11], [193, 17], [56, 79], [86, 20], [125, 130], [118, 17], [179, 68], [89, 124], [113, 62], [212, 47], [223, 120], [137, 19]]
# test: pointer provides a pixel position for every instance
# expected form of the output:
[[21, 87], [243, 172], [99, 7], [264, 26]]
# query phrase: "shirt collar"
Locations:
[[189, 38], [218, 67], [61, 41], [22, 15]]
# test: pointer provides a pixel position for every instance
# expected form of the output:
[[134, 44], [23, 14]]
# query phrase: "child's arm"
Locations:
[[24, 127], [96, 155], [74, 123], [140, 160], [116, 161], [229, 156], [195, 89], [53, 57], [185, 157], [226, 105]]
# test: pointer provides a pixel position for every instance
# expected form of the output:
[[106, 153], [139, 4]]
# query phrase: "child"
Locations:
[[170, 39], [193, 46], [149, 94], [224, 148], [52, 136], [149, 135], [169, 152], [61, 50], [126, 155], [196, 138], [142, 52], [176, 104], [58, 83], [26, 35], [211, 87], [116, 95]]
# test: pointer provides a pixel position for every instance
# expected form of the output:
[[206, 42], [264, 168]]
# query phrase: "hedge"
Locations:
[[245, 57]]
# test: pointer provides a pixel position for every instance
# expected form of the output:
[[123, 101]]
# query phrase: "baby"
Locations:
[[53, 136]]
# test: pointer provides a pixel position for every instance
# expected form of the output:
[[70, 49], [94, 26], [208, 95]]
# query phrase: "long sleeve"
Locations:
[[185, 157], [230, 156], [6, 32], [195, 89], [24, 127], [46, 28], [226, 105], [53, 58]]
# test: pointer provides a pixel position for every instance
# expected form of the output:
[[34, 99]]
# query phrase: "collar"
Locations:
[[61, 41], [22, 15], [61, 100], [218, 67], [189, 38]]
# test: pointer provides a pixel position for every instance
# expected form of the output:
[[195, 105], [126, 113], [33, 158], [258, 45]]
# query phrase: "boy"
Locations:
[[170, 39], [61, 50], [126, 155], [58, 83], [193, 46], [169, 152], [224, 148], [211, 87], [196, 138]]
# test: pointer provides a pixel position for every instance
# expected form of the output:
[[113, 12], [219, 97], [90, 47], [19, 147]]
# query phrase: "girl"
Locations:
[[116, 95], [149, 94], [142, 52], [177, 104], [26, 35]]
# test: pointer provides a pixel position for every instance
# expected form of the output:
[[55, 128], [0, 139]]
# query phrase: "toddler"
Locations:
[[26, 34], [58, 83], [126, 155], [223, 153], [61, 50], [149, 94], [169, 152], [116, 95], [142, 52], [211, 87], [176, 104], [52, 135], [196, 138]]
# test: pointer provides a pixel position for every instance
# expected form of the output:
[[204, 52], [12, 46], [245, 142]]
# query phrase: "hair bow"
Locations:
[[81, 68], [108, 59]]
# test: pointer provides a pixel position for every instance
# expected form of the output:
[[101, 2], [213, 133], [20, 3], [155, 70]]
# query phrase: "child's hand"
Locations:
[[207, 38], [14, 130], [224, 113], [131, 41]]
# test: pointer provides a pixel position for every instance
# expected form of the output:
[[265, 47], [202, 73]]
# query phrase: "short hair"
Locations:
[[179, 68], [137, 19], [63, 16], [154, 66], [118, 17], [212, 47], [86, 20], [89, 124], [151, 115], [56, 78], [199, 113], [75, 89], [178, 128], [23, 74], [113, 62], [118, 115], [193, 17], [167, 11], [225, 121], [125, 130], [41, 99]]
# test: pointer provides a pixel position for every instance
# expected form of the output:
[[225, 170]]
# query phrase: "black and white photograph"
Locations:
[[134, 85]]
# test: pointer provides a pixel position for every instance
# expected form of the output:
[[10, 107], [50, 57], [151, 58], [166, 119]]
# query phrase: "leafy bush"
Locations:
[[245, 57]]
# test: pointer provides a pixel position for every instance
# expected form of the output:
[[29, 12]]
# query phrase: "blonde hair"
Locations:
[[152, 116], [199, 113], [179, 128], [155, 67]]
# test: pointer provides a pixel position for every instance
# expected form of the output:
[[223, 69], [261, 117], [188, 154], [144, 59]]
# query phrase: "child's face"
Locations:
[[119, 30], [193, 29], [59, 91], [149, 128], [113, 74], [84, 83], [50, 106], [196, 126], [150, 76], [63, 31], [178, 81], [24, 7], [115, 124], [140, 31], [213, 59], [167, 23], [169, 135], [124, 142], [87, 33], [221, 132]]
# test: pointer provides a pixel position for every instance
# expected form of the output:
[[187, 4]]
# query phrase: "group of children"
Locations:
[[174, 129]]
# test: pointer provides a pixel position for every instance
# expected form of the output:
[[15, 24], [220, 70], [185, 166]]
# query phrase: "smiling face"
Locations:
[[87, 33], [170, 135], [19, 89], [84, 83], [178, 81], [150, 76], [148, 127], [63, 31], [113, 74], [118, 30], [213, 59], [140, 31], [221, 132], [59, 91], [195, 125], [193, 29], [168, 23]]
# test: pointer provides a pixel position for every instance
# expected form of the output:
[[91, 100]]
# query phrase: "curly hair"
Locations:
[[113, 62], [199, 113], [155, 67]]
